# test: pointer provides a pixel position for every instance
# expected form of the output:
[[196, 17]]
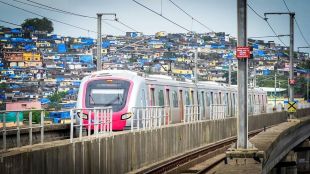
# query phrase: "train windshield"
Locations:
[[102, 93]]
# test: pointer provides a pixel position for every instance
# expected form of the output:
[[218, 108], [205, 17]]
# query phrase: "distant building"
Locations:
[[23, 105], [13, 59]]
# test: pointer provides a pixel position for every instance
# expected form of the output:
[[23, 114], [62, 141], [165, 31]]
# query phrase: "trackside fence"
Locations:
[[20, 123], [149, 117], [90, 121], [218, 111], [192, 113]]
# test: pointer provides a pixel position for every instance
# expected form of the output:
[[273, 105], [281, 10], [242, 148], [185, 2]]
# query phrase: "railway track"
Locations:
[[204, 159]]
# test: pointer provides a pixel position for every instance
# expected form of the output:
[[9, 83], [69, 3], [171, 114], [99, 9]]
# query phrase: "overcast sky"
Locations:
[[219, 15]]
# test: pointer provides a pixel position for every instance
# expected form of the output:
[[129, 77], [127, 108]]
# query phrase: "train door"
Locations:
[[181, 105], [168, 107]]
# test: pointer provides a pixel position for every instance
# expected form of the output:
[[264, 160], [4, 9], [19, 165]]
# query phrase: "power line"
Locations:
[[122, 23], [299, 29], [9, 23], [62, 11], [50, 8], [47, 17], [190, 16], [161, 16], [266, 20]]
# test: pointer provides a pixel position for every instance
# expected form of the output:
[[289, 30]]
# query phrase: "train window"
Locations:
[[234, 104], [192, 98], [153, 97], [175, 102], [167, 97], [208, 99], [220, 98], [161, 101], [203, 103], [227, 104], [187, 99], [212, 101], [143, 101]]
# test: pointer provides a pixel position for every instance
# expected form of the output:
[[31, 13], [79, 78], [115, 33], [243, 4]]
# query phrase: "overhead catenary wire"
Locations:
[[81, 15], [161, 15], [269, 25], [68, 13], [299, 28], [194, 19], [60, 10], [122, 23]]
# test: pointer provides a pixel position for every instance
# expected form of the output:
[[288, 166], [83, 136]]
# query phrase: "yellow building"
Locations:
[[43, 44], [160, 34], [32, 57], [181, 71]]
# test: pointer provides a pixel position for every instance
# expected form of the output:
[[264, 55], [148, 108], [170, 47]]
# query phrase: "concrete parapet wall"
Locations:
[[125, 151]]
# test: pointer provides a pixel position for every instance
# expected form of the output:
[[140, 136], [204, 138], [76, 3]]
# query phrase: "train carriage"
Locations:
[[125, 90]]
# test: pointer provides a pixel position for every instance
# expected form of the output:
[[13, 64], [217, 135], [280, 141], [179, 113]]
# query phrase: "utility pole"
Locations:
[[291, 75], [275, 90], [292, 16], [242, 119], [99, 42], [99, 38]]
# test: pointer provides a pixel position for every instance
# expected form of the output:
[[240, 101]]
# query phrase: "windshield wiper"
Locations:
[[91, 97]]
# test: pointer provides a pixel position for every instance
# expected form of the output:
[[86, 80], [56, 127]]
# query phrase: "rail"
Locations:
[[181, 163], [19, 126], [150, 117], [99, 120]]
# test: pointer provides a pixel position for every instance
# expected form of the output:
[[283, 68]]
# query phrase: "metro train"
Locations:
[[123, 90]]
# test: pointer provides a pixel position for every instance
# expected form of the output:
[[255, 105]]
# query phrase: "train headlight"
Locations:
[[82, 115], [126, 116]]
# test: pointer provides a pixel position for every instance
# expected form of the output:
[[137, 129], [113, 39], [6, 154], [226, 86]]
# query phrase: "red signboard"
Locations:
[[243, 52], [291, 81]]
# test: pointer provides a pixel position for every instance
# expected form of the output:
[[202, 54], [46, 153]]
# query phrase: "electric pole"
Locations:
[[291, 75], [242, 119], [99, 38], [292, 16], [99, 42]]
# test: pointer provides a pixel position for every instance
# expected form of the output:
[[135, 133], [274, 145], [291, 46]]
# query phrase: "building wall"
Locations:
[[13, 56], [32, 57], [23, 105]]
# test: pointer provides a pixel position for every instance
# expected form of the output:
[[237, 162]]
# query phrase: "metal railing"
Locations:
[[150, 117], [19, 126], [99, 120], [191, 113], [218, 111]]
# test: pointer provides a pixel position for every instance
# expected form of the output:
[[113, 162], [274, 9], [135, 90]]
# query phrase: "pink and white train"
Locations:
[[124, 90]]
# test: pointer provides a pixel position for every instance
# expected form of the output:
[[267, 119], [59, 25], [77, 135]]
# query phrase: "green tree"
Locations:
[[56, 99], [39, 24]]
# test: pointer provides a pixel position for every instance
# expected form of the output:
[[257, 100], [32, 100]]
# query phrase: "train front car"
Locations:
[[108, 89]]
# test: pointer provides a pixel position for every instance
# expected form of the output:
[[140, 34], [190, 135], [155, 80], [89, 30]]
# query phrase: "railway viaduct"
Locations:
[[138, 151]]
